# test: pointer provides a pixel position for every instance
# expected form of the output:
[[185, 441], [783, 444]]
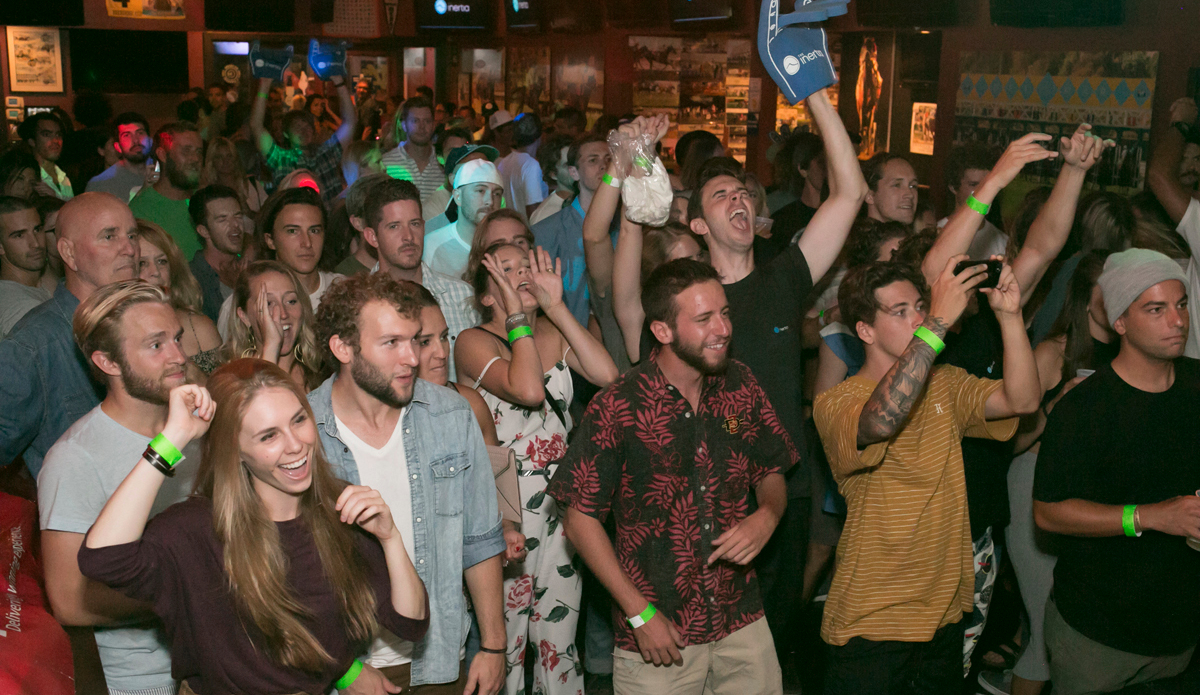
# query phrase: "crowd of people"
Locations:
[[390, 397]]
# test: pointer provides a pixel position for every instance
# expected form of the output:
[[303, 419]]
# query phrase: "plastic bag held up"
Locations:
[[646, 189]]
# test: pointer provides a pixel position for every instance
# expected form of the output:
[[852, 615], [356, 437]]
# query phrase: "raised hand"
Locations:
[[190, 411], [1083, 149], [364, 506], [508, 293], [269, 325], [950, 293], [546, 275], [1020, 152], [1005, 297]]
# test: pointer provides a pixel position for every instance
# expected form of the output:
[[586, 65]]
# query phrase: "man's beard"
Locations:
[[376, 383], [391, 258], [694, 358], [151, 391], [179, 177], [139, 158]]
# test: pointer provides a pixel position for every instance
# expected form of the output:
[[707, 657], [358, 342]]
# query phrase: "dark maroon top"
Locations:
[[178, 567]]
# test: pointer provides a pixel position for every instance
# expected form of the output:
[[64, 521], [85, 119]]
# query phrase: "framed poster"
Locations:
[[528, 74], [924, 125], [579, 81], [146, 9], [34, 59]]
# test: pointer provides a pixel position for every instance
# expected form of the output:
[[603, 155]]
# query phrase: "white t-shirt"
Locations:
[[1189, 228], [522, 180], [436, 203], [15, 301], [446, 252], [552, 204], [386, 471], [314, 298], [989, 241], [81, 471]]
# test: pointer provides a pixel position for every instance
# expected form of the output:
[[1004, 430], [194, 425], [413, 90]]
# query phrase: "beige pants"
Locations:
[[743, 663]]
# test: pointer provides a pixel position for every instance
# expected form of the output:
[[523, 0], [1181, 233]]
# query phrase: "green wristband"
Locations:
[[350, 676], [519, 332], [642, 618], [166, 449], [615, 183], [931, 338], [1127, 521], [977, 206]]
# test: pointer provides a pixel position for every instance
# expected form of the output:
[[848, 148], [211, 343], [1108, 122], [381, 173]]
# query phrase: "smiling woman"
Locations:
[[269, 538]]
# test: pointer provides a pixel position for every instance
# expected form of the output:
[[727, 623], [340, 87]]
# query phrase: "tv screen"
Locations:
[[250, 15], [128, 62], [522, 14], [684, 11], [1057, 13], [454, 14], [926, 13], [41, 13]]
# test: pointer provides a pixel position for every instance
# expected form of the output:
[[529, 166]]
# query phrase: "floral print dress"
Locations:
[[541, 594]]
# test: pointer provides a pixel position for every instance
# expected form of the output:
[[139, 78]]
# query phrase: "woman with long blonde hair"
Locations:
[[161, 264], [261, 578], [222, 165], [273, 320]]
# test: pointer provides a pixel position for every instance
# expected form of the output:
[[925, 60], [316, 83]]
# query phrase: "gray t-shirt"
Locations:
[[119, 180], [80, 472], [15, 301]]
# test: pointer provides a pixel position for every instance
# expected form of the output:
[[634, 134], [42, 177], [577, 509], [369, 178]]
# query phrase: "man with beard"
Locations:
[[46, 387], [130, 335], [478, 190], [131, 140], [673, 449], [178, 147], [768, 304], [394, 226], [414, 159], [216, 211], [24, 279], [417, 444], [43, 133]]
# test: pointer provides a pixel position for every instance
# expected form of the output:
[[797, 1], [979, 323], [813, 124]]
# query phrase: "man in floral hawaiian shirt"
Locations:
[[673, 449]]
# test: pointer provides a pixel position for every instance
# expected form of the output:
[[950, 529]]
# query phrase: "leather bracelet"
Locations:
[[485, 650], [155, 459]]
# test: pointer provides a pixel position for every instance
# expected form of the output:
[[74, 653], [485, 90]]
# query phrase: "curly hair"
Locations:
[[856, 295], [241, 341], [867, 235], [341, 307]]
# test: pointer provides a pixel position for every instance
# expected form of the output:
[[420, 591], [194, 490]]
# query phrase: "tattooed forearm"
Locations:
[[890, 404]]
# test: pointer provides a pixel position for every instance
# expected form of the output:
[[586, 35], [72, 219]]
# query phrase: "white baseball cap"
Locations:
[[499, 118], [477, 171]]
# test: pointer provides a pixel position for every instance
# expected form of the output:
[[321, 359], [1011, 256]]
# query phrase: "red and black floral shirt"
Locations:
[[676, 479]]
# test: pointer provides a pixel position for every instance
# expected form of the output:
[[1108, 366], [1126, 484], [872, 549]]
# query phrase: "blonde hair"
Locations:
[[240, 341], [657, 243], [209, 175], [97, 321], [255, 563], [475, 257], [182, 287]]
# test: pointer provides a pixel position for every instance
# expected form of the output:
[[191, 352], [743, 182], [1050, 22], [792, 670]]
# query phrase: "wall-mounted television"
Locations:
[[688, 11], [128, 62], [455, 14], [522, 15]]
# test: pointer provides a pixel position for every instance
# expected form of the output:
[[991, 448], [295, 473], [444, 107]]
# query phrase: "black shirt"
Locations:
[[1111, 443], [788, 220], [766, 308], [978, 348]]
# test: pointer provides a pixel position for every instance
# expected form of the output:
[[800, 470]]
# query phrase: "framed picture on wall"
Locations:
[[35, 59]]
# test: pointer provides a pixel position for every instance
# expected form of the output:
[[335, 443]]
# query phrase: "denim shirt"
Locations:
[[451, 476], [44, 381]]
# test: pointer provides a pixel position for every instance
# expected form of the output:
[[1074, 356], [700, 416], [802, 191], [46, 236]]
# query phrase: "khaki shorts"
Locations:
[[739, 664]]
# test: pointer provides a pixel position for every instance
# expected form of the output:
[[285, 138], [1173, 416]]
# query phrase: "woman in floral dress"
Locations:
[[527, 386]]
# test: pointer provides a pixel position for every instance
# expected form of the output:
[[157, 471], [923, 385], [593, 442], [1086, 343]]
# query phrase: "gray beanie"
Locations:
[[1130, 273]]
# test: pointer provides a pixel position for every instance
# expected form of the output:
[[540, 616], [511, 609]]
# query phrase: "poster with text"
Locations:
[[34, 59], [924, 125], [145, 9], [1003, 95]]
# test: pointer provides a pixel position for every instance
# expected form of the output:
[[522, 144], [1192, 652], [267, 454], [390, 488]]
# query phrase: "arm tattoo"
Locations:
[[888, 408]]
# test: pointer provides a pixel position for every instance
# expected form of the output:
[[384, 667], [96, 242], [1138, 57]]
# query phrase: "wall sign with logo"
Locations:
[[454, 14]]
